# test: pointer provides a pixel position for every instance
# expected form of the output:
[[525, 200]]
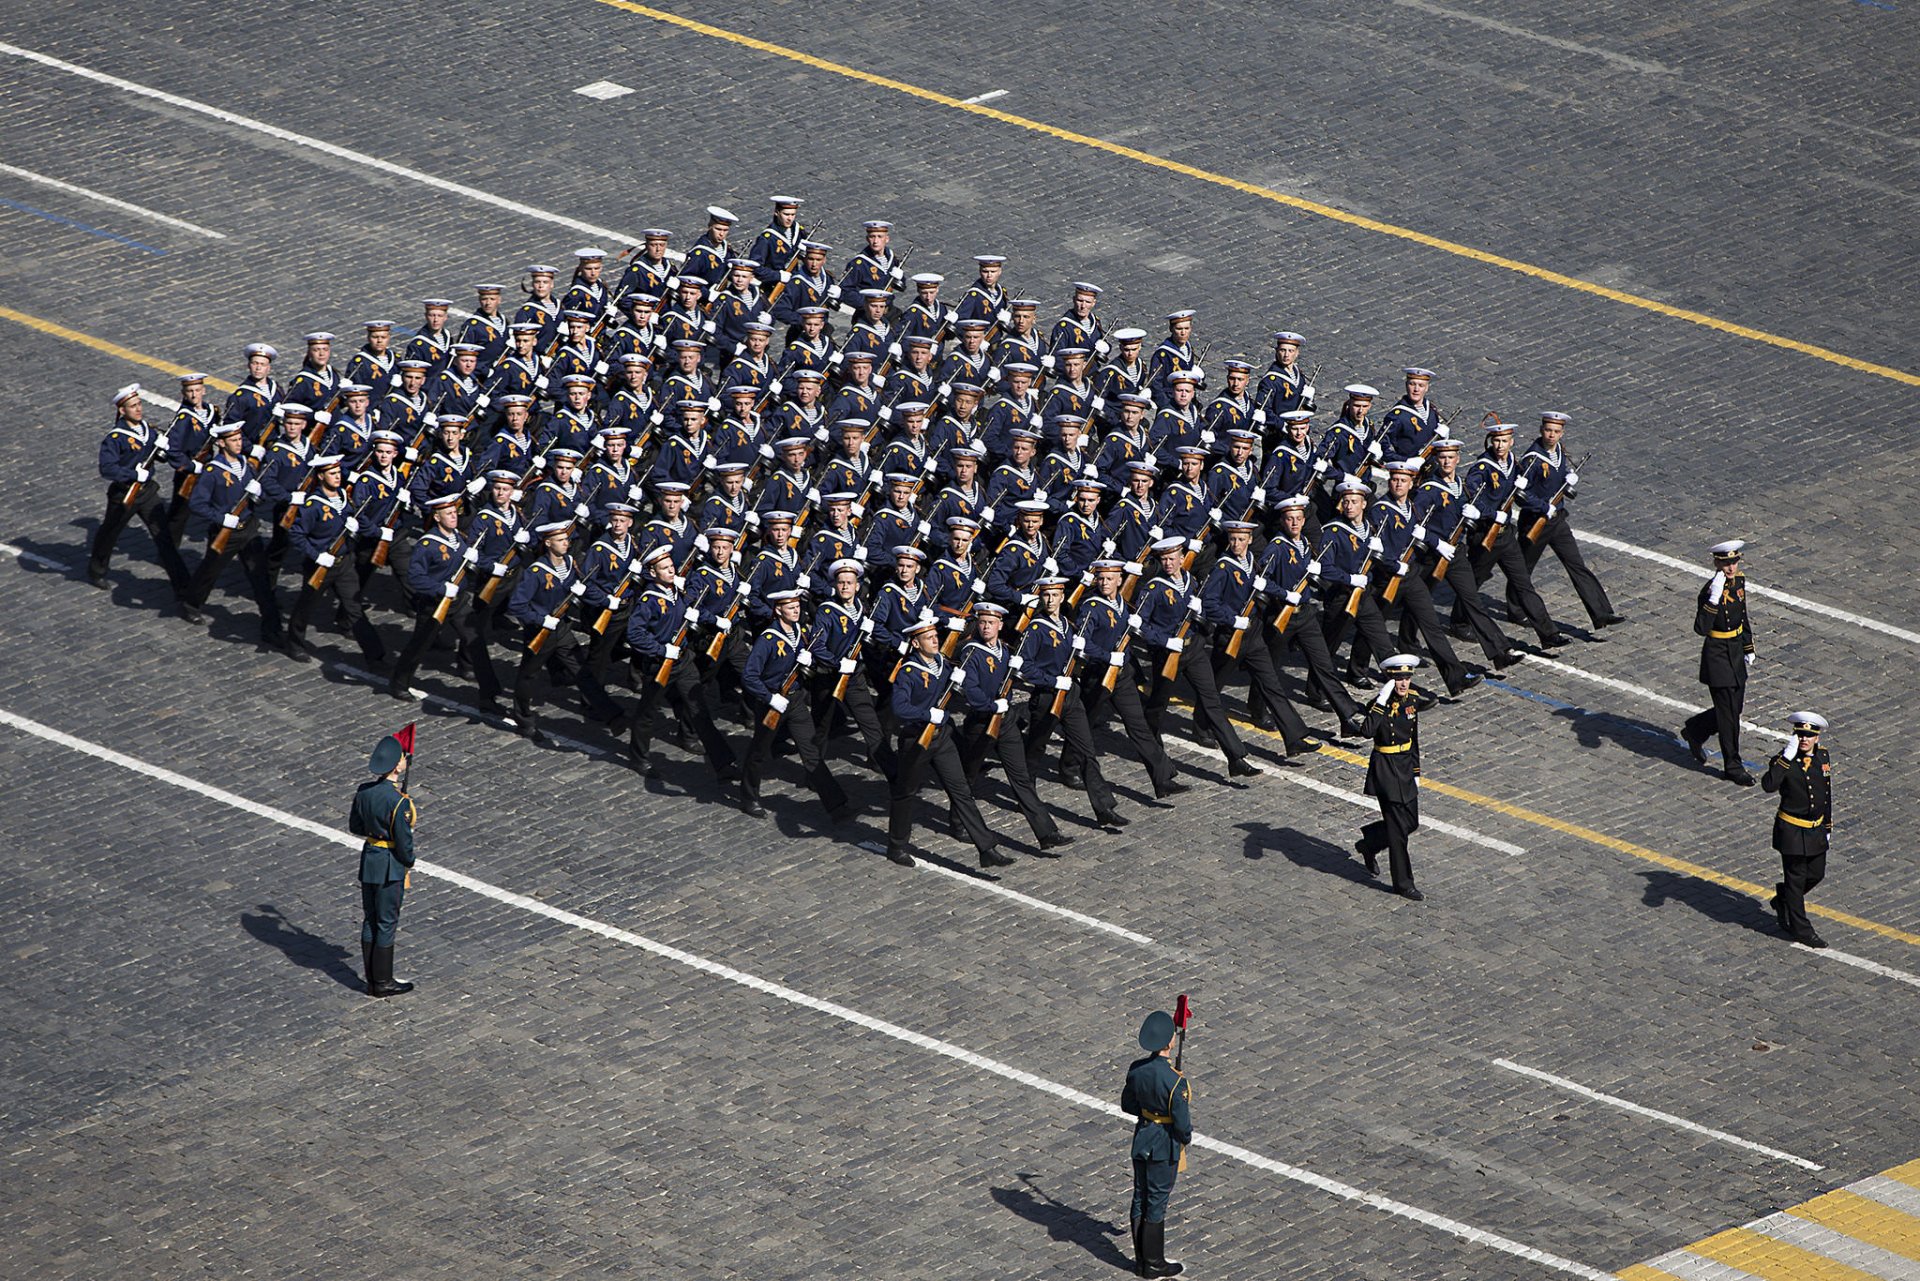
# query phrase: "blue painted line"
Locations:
[[1876, 4], [1563, 706], [89, 228]]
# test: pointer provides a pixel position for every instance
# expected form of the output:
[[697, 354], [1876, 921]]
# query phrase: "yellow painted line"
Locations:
[[1614, 843], [1773, 1259], [1864, 1219], [1908, 1174], [1641, 1272], [1347, 217], [109, 348]]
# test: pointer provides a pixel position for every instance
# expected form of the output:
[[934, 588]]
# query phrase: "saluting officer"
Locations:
[[1803, 775], [1726, 655], [1162, 1098], [1393, 771], [383, 817]]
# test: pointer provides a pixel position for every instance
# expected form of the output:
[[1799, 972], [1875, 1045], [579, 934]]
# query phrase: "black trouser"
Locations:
[[721, 673], [1799, 874], [796, 721], [1722, 718], [179, 507], [1009, 747], [343, 584], [1196, 669], [1468, 607], [467, 638], [563, 651], [484, 615], [1263, 683], [1418, 617], [278, 540], [246, 545], [1365, 621], [602, 645], [1398, 820], [857, 703], [1123, 700], [682, 693], [1076, 732], [1506, 556], [380, 911], [1586, 585], [1306, 633], [942, 758], [1152, 1189], [152, 513]]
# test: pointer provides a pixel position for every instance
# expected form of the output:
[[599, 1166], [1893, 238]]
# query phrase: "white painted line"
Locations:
[[1640, 691], [113, 202], [989, 96], [1026, 900], [1691, 1267], [603, 90], [1669, 1118], [327, 148], [1889, 1192], [1785, 598], [793, 996], [32, 558], [1351, 797], [1642, 65], [1860, 962], [1838, 1246]]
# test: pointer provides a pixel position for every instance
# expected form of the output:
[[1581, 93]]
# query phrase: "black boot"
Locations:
[[366, 963], [1779, 904], [1139, 1251], [384, 984], [1153, 1236]]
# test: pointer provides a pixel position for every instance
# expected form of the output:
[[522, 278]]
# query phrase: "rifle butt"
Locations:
[[317, 577], [993, 726], [718, 643], [287, 517], [1079, 590], [600, 623], [441, 610], [1233, 642], [928, 734], [539, 641], [1488, 539], [1440, 569], [1353, 601], [1171, 668], [840, 687], [1539, 529], [380, 553], [220, 540], [1392, 589], [486, 592], [947, 646], [771, 720], [666, 671]]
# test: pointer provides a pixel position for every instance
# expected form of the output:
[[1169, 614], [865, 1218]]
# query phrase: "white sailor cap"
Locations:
[[775, 517], [1554, 416], [1808, 723], [902, 478], [576, 313], [675, 488], [725, 533], [1729, 550], [260, 349], [971, 453], [613, 431], [577, 380], [1024, 304], [444, 500], [224, 429], [187, 379], [962, 525], [815, 246], [1501, 429], [1144, 467], [1108, 562], [927, 278], [553, 527], [1297, 416], [1360, 390], [781, 201], [758, 327], [1030, 506], [489, 289], [371, 325], [846, 565], [1135, 398], [636, 358], [1129, 334], [656, 233], [784, 595], [386, 437], [129, 392], [907, 551], [987, 609], [439, 304], [1353, 486], [854, 424], [919, 340], [808, 376], [1092, 484], [1087, 287], [1287, 335], [541, 269], [1232, 364], [406, 365], [325, 461], [1183, 376], [1297, 502], [990, 260], [1070, 351], [526, 327], [663, 552], [355, 389], [1024, 433], [1415, 371], [918, 627], [1185, 313], [717, 213], [471, 347], [876, 224], [870, 295], [590, 253], [294, 409], [503, 473], [1051, 580], [1404, 466], [786, 443], [1020, 367], [1191, 451], [1239, 526], [1400, 663], [318, 335], [1171, 543], [838, 496], [563, 454], [513, 400]]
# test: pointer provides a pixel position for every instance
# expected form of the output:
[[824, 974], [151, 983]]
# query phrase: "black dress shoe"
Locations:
[[1809, 939], [641, 765], [192, 615], [1610, 620], [1359, 680], [1505, 659], [1461, 631], [1311, 743], [994, 858], [97, 580], [1241, 767], [752, 808], [1554, 641], [1371, 856], [297, 651], [1053, 842], [1740, 776], [1780, 910], [1113, 822], [899, 855], [1696, 747], [1467, 682], [399, 692], [1411, 892], [1172, 787]]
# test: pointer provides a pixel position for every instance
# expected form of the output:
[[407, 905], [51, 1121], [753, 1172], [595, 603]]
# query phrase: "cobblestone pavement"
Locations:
[[195, 1085]]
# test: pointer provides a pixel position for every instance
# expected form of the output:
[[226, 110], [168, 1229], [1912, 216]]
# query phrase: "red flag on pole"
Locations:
[[405, 738]]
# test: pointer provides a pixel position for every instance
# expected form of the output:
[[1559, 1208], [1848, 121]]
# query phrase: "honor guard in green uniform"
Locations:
[[1393, 771], [1160, 1096], [1802, 773], [383, 817], [1726, 655]]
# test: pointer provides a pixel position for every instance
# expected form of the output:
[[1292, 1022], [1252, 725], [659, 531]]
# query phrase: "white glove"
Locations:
[[1502, 517], [1520, 484], [951, 316], [142, 474], [1750, 657], [722, 624], [979, 585], [993, 374], [1046, 363], [295, 499], [1446, 549], [412, 454], [847, 666], [450, 590], [1373, 545], [1117, 658], [1175, 644], [785, 276], [1240, 623], [1306, 392], [253, 488], [1386, 692], [1194, 605], [1079, 644], [1136, 567], [693, 618], [1063, 682], [866, 627], [1376, 450], [1553, 509], [893, 350], [804, 658], [1134, 622], [1573, 478], [477, 484], [1028, 600], [1000, 706], [1470, 512], [499, 569], [230, 521], [673, 651], [778, 702], [577, 590], [520, 536], [766, 449], [1153, 533], [1313, 568], [1320, 467], [198, 466], [1400, 569], [1715, 587], [1017, 662], [1259, 582], [937, 715], [551, 623], [324, 560], [860, 554], [636, 570], [1292, 598], [471, 555], [957, 677], [1793, 748], [1419, 533], [708, 462], [1356, 580], [1004, 316], [404, 497], [700, 542]]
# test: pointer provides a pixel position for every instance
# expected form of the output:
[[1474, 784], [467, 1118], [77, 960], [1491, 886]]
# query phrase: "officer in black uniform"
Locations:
[[1393, 771], [1726, 655], [1160, 1096], [1803, 775], [382, 817]]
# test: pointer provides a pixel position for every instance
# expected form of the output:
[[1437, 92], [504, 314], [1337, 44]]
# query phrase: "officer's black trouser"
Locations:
[[942, 758], [1123, 700], [1469, 608], [1722, 718], [1507, 557], [343, 584], [681, 692], [1152, 1189], [1398, 820], [380, 911], [563, 651], [152, 513], [1009, 747], [1800, 871], [797, 721], [1263, 683], [1306, 633], [466, 636], [1076, 732], [1586, 584], [1418, 617], [246, 545], [1196, 669]]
